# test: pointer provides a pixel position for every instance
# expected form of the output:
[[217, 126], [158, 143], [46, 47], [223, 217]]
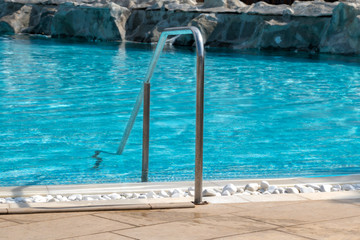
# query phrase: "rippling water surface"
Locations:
[[266, 114]]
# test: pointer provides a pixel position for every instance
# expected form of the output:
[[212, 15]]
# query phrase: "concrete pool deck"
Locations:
[[328, 215], [163, 203], [323, 219]]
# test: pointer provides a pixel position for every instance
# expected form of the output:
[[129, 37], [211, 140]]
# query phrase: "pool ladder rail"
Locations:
[[144, 94]]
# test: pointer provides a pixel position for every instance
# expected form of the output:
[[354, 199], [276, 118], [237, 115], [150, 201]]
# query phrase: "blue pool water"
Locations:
[[266, 114]]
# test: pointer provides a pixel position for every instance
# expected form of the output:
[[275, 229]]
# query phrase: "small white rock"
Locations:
[[231, 188], [208, 193], [314, 186], [281, 190], [105, 197], [2, 200], [73, 197], [291, 190], [276, 191], [264, 185], [347, 187], [226, 193], [115, 196], [336, 188], [191, 189], [325, 188], [266, 193], [177, 192], [19, 199], [176, 195], [240, 190], [307, 190], [142, 196], [252, 187], [272, 188], [135, 195], [151, 195], [163, 194], [128, 195]]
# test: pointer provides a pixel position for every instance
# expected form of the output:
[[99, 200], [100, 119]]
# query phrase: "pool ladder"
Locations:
[[145, 94]]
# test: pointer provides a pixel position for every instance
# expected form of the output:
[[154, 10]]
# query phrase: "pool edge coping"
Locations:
[[21, 191]]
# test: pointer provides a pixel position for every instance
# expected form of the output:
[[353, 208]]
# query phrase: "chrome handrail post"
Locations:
[[200, 58]]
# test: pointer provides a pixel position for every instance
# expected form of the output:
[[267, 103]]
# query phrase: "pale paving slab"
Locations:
[[179, 230], [266, 235], [40, 217], [227, 199], [332, 195], [273, 197], [61, 228], [101, 236], [342, 228], [300, 212], [149, 217], [241, 224], [5, 223]]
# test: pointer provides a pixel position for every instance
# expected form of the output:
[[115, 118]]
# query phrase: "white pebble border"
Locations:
[[263, 188]]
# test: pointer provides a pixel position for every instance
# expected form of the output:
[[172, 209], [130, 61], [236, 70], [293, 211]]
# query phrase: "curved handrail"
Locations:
[[200, 56], [159, 47]]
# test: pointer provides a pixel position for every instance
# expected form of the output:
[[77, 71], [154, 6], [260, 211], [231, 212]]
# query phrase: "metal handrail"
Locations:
[[200, 56]]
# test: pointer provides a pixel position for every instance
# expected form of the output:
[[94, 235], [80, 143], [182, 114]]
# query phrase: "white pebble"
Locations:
[[142, 196], [114, 196], [240, 190], [303, 189], [2, 200], [191, 189], [336, 188], [281, 190], [347, 187], [87, 198], [314, 186], [291, 190], [135, 195], [164, 194], [264, 185], [266, 193], [272, 188], [177, 192], [176, 195], [209, 193], [252, 187], [9, 200], [151, 195], [19, 199], [226, 193], [325, 188], [105, 197], [231, 188]]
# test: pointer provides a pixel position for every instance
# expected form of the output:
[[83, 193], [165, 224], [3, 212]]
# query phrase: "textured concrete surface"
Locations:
[[321, 219]]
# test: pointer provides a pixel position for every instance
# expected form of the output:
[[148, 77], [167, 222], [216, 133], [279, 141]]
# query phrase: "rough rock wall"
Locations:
[[313, 26]]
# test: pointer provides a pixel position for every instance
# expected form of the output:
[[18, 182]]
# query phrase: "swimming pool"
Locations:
[[267, 114]]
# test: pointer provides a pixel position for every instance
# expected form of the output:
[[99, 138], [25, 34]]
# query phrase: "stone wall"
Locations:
[[309, 26]]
